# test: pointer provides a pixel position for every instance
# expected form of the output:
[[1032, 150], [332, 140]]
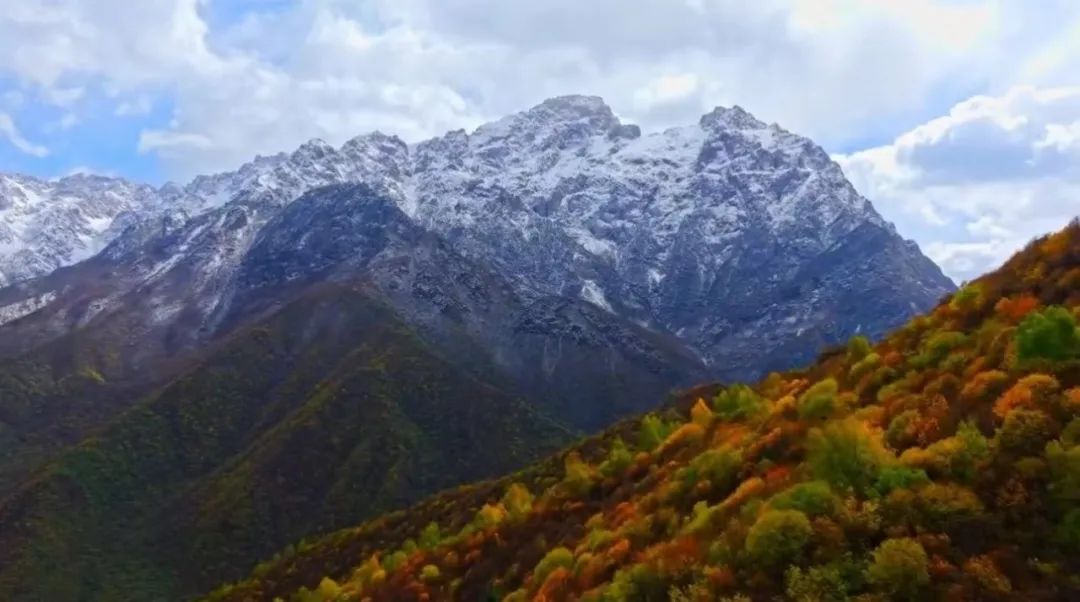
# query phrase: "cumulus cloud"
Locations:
[[266, 81], [976, 184]]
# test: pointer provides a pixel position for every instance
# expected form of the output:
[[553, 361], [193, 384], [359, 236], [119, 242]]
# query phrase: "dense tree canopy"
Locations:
[[940, 463]]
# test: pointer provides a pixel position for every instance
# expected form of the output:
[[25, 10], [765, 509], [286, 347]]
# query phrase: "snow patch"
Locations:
[[766, 137], [163, 311], [21, 309], [163, 267], [592, 244], [591, 292]]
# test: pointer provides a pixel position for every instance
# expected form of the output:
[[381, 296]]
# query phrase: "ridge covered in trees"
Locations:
[[328, 412], [941, 463]]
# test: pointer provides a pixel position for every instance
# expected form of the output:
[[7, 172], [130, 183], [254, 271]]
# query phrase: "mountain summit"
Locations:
[[743, 240]]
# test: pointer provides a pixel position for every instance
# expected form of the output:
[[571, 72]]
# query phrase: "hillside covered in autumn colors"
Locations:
[[940, 463]]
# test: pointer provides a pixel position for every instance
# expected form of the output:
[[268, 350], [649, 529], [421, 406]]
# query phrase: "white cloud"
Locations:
[[64, 97], [125, 42], [970, 185], [68, 121], [9, 130], [168, 142], [140, 105], [665, 89], [833, 69], [976, 184]]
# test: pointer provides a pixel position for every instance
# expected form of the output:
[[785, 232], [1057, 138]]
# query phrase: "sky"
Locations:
[[958, 119]]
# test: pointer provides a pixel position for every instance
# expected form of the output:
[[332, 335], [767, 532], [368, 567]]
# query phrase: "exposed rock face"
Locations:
[[729, 239]]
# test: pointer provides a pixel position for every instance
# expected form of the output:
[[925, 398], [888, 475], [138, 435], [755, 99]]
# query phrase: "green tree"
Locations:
[[429, 573], [819, 401], [719, 466], [713, 469], [1049, 334], [813, 499], [1070, 435], [967, 299], [556, 558], [737, 402], [1025, 431], [618, 459], [431, 536], [580, 477], [858, 347], [865, 366], [899, 568], [517, 500], [393, 561], [327, 591], [825, 583], [944, 504], [901, 432], [652, 433], [778, 536], [1068, 531], [1064, 463], [938, 347], [639, 583], [892, 478], [846, 455], [972, 450]]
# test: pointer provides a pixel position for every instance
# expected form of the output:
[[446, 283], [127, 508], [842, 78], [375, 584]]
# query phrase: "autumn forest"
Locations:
[[941, 463]]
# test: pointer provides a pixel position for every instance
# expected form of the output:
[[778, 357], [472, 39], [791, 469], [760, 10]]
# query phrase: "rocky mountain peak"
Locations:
[[734, 117], [316, 148], [557, 123], [86, 179], [376, 139], [575, 106]]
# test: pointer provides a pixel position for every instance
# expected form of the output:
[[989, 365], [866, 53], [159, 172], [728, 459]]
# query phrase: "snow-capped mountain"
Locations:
[[706, 231], [48, 224], [45, 224], [743, 240]]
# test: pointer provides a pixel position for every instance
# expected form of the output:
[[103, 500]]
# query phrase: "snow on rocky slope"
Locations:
[[744, 240]]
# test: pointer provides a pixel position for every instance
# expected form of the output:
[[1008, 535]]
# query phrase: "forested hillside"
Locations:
[[328, 412], [940, 463]]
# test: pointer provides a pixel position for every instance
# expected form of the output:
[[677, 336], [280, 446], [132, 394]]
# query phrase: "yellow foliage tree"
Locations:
[[517, 500], [701, 414]]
